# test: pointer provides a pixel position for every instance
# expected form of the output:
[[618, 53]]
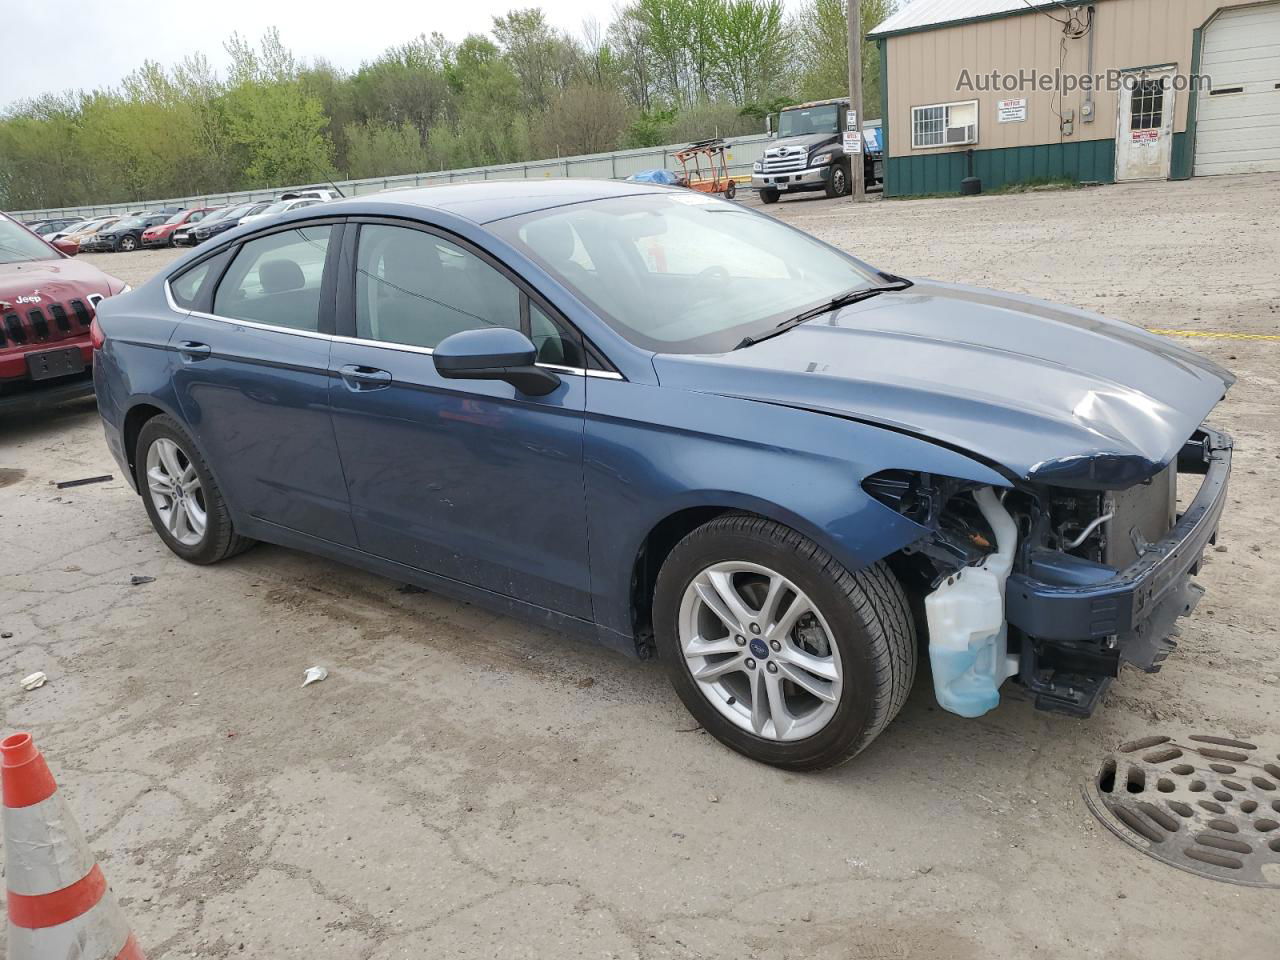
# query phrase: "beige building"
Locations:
[[1102, 91]]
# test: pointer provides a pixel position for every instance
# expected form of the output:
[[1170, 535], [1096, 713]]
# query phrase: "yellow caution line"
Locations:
[[1215, 335]]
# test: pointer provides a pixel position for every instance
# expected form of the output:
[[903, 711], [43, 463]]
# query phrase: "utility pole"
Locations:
[[854, 8]]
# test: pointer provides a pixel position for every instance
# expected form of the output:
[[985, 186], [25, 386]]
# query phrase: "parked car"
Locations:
[[279, 207], [47, 303], [83, 231], [682, 427], [87, 228], [311, 193], [125, 235], [227, 220], [45, 228], [184, 235], [61, 232], [161, 235]]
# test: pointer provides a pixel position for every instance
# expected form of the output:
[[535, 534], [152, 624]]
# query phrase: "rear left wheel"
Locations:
[[778, 650], [181, 496]]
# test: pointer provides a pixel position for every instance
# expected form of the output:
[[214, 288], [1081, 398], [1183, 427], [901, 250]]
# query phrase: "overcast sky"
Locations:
[[99, 41]]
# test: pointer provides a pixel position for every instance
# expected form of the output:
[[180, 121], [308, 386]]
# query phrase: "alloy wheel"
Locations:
[[176, 492], [760, 651]]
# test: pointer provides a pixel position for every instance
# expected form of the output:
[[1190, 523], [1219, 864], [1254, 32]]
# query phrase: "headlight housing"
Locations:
[[757, 167], [820, 160]]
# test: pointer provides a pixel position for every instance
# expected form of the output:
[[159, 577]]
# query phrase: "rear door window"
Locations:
[[277, 279]]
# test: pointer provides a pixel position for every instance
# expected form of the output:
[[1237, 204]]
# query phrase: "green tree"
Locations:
[[822, 44], [379, 149], [407, 83], [583, 118], [544, 60], [752, 49], [283, 130]]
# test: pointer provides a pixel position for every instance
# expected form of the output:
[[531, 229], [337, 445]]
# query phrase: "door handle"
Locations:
[[359, 378], [191, 350]]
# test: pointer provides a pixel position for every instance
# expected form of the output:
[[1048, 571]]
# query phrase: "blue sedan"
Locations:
[[676, 425]]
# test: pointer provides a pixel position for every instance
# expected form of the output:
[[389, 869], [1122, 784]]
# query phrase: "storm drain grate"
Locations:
[[1209, 805]]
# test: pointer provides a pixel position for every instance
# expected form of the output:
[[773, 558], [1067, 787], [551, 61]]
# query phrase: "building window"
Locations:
[[1148, 105], [944, 124]]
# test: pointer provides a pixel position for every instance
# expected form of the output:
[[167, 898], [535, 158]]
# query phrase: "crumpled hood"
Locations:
[[58, 280], [1048, 393]]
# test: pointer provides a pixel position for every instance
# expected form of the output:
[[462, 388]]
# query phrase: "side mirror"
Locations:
[[68, 246], [495, 353]]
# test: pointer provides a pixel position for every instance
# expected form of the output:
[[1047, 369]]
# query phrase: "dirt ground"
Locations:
[[465, 786]]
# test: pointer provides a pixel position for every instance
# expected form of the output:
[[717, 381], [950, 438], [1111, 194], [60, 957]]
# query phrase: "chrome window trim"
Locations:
[[359, 341]]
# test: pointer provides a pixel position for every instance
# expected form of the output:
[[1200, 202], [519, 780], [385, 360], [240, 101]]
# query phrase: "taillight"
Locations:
[[96, 336]]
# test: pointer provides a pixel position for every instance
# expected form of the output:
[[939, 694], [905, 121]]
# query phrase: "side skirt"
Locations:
[[455, 589]]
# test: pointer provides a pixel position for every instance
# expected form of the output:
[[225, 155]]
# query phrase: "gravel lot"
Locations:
[[466, 786]]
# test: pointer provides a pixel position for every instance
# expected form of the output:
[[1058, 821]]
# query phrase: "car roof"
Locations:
[[496, 199]]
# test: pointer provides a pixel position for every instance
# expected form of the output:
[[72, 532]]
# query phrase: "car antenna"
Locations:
[[332, 184]]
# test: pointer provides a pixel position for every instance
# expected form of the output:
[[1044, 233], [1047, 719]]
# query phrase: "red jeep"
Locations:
[[47, 303]]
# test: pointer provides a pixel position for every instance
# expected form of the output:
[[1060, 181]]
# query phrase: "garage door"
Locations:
[[1238, 125]]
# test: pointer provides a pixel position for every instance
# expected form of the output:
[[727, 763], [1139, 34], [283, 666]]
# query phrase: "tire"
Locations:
[[218, 540], [768, 195], [127, 244], [838, 182], [864, 617], [730, 190]]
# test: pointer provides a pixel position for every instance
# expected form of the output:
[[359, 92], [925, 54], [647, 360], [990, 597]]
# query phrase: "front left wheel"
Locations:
[[182, 498], [776, 648], [838, 182], [127, 244]]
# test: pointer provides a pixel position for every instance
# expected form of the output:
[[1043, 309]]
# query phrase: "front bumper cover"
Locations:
[[1083, 633], [812, 177]]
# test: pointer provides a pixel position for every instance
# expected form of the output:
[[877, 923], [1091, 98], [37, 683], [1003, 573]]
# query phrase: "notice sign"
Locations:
[[851, 120], [1146, 136], [852, 142], [1011, 111]]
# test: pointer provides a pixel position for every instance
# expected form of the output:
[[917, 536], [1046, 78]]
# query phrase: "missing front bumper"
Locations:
[[1076, 637]]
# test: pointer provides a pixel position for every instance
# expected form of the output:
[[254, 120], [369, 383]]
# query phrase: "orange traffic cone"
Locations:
[[60, 907]]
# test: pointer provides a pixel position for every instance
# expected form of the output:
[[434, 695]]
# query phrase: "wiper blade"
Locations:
[[835, 303]]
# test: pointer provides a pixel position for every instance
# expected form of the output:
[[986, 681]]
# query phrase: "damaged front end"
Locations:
[[1056, 584]]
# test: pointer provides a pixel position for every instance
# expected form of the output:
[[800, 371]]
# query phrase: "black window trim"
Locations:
[[345, 299]]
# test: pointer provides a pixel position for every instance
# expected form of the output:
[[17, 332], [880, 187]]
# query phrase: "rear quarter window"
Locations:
[[186, 287]]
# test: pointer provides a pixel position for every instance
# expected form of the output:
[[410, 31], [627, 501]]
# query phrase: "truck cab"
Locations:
[[809, 152]]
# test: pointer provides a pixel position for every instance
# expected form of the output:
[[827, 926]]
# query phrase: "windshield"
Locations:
[[131, 224], [17, 245], [681, 272], [799, 123], [176, 218], [278, 207]]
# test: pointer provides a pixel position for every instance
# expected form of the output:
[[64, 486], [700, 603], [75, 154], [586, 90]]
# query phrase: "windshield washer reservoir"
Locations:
[[968, 634]]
